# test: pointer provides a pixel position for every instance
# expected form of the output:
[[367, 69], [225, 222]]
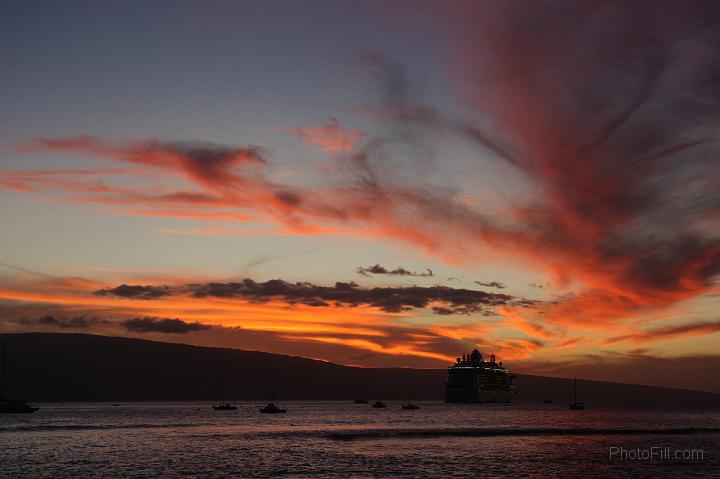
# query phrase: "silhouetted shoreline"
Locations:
[[88, 368]]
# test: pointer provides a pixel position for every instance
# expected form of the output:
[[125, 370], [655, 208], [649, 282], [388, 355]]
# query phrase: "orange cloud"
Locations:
[[622, 200], [669, 332], [234, 181], [70, 304]]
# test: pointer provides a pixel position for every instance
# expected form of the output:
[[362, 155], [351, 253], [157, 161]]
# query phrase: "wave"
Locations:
[[371, 434], [490, 432], [89, 427]]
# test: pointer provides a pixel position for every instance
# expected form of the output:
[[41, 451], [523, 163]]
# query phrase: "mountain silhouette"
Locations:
[[84, 367]]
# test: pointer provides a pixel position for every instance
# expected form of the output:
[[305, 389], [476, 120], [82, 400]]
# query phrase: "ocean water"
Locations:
[[344, 440]]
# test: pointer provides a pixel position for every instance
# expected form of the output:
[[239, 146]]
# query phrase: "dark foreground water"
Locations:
[[341, 440]]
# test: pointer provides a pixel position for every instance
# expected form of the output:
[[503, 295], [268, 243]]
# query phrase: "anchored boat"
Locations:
[[271, 408], [575, 405], [224, 406]]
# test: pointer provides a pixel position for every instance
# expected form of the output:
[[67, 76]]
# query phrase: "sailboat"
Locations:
[[408, 405], [223, 406], [575, 405], [12, 406]]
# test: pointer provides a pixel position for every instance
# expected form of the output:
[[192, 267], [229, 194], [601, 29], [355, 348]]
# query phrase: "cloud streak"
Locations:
[[62, 322], [163, 325], [399, 271], [669, 332]]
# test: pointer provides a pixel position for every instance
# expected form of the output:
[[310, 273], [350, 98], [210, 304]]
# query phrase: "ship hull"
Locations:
[[479, 385], [478, 395]]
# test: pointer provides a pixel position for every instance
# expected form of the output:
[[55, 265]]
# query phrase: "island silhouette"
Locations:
[[84, 367]]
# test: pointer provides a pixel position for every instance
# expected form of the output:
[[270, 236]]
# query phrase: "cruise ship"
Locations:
[[472, 379]]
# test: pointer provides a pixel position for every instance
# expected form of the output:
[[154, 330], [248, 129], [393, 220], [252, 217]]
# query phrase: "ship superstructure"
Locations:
[[472, 379]]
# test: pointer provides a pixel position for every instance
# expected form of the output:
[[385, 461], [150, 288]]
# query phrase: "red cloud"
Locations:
[[669, 332], [608, 114], [331, 137]]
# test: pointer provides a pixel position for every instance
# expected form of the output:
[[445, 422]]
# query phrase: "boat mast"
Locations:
[[575, 391]]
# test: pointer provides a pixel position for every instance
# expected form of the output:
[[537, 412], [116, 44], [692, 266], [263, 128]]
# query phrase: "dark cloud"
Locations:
[[208, 163], [399, 271], [491, 284], [465, 309], [389, 299], [137, 325], [136, 291], [62, 322], [162, 325]]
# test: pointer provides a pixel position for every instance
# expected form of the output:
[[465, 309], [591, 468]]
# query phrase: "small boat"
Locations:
[[12, 406], [360, 401], [575, 405], [271, 408], [408, 405], [224, 406], [379, 405], [548, 401], [115, 405]]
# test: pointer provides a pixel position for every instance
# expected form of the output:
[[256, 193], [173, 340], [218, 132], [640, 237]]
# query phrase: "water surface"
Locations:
[[343, 440]]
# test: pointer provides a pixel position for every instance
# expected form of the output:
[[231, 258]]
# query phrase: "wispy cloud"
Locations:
[[491, 284], [622, 199], [163, 325], [330, 137], [669, 332], [62, 322]]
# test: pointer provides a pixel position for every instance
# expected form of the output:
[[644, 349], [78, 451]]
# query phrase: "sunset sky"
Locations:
[[369, 183]]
